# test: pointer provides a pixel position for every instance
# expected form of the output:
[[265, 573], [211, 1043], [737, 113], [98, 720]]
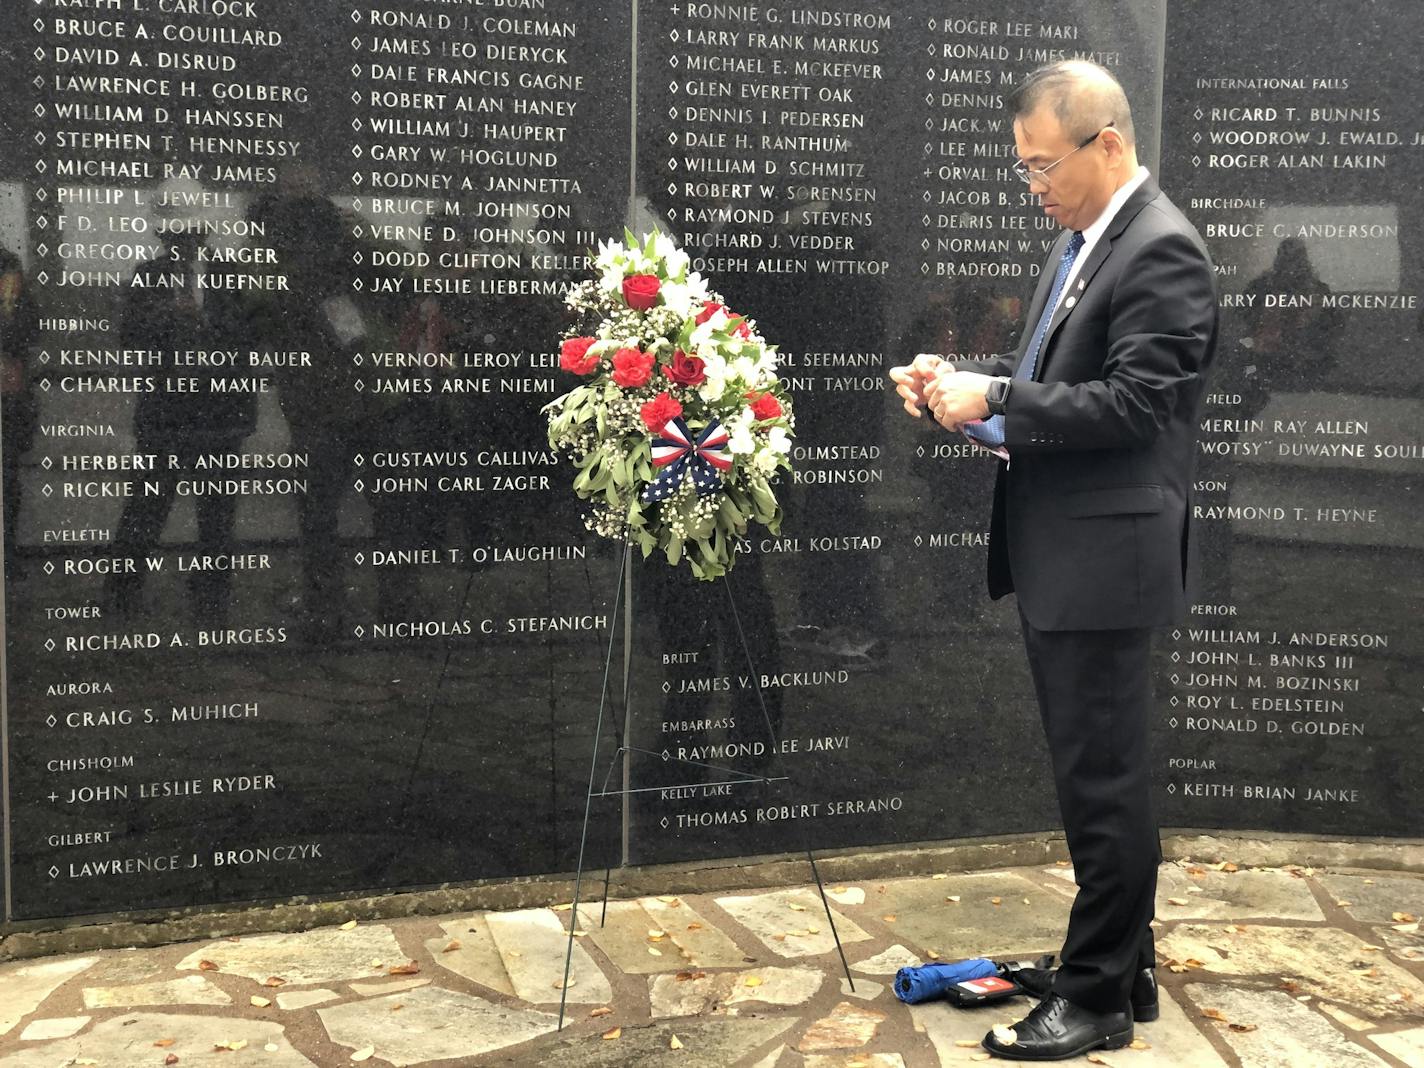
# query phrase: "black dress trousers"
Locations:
[[1095, 696]]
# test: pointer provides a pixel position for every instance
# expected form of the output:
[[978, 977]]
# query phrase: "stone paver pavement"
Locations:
[[1260, 968]]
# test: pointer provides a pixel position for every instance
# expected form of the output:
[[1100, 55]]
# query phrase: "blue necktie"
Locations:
[[991, 431]]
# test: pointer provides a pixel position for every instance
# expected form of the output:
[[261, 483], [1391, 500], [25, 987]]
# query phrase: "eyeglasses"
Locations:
[[1028, 175]]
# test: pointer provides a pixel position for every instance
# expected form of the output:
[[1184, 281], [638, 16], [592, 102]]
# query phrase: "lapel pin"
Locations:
[[1070, 302]]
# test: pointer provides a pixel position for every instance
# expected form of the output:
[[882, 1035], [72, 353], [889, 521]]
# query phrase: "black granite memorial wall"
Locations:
[[297, 602]]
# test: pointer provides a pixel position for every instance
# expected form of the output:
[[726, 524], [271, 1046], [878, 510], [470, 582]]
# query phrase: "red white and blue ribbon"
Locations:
[[677, 454]]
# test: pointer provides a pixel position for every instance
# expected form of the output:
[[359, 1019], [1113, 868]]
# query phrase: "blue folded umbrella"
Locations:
[[926, 982]]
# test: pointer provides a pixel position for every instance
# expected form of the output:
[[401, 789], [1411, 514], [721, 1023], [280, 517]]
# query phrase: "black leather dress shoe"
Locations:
[[1039, 983], [1056, 1030]]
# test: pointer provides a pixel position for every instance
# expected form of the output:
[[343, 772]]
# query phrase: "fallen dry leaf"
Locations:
[[1290, 986], [1407, 928], [954, 898], [164, 1043], [694, 926], [687, 977], [1230, 867], [654, 951], [1138, 1044], [397, 1007], [656, 933], [603, 1011], [996, 901], [1062, 863], [1242, 1029], [1344, 904], [1177, 901], [1026, 901], [979, 1056], [274, 980], [839, 890], [453, 945], [172, 1058], [674, 902], [260, 1002], [365, 1053], [967, 1043], [408, 968], [1192, 962], [1176, 969], [940, 876], [1095, 1058], [1214, 1014], [1404, 917], [753, 980], [565, 907], [609, 1036], [889, 918], [674, 1042], [795, 907], [207, 966], [349, 925], [559, 985]]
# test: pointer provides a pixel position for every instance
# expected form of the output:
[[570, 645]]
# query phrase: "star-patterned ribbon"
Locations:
[[675, 452]]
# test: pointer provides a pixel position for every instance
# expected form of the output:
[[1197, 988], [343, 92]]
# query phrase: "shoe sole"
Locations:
[[1146, 1014], [1121, 1040]]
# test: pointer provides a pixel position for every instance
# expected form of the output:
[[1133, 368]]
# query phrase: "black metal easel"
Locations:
[[734, 777]]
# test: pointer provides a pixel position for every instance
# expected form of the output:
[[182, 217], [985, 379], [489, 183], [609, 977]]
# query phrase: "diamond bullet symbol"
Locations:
[[50, 645], [1176, 658], [358, 285], [672, 61], [355, 70], [53, 872], [42, 249], [44, 385], [356, 178], [672, 164], [48, 491], [360, 486], [672, 214], [1176, 635], [1175, 701], [672, 112], [360, 558], [1171, 788], [1196, 161], [667, 687], [42, 222], [929, 124], [1173, 721], [356, 151], [672, 138], [49, 567], [355, 96], [40, 138], [672, 188], [360, 631], [672, 87], [39, 109], [927, 196], [674, 36], [39, 25], [50, 720], [46, 463], [356, 124], [919, 540], [664, 822], [1199, 113], [358, 257], [924, 268], [41, 194], [360, 386], [1196, 138], [360, 461], [929, 98], [926, 220], [356, 204], [925, 244], [358, 359], [43, 276], [356, 43], [355, 16], [920, 451]]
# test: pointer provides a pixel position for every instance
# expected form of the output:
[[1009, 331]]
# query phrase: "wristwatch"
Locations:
[[997, 396]]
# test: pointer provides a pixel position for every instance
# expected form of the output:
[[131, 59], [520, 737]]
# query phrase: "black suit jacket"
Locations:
[[1092, 514]]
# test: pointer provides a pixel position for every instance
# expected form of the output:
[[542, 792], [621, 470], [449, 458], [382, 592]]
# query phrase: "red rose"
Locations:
[[765, 406], [686, 370], [743, 330], [641, 291], [659, 412], [574, 355], [632, 368], [709, 309]]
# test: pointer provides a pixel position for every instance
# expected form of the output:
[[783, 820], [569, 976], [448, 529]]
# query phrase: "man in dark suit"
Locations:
[[1095, 419]]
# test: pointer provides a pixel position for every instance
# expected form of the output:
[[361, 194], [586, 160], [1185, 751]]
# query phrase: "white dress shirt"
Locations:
[[1093, 234]]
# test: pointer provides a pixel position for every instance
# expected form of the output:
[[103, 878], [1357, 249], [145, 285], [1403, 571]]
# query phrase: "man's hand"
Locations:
[[957, 397], [911, 380]]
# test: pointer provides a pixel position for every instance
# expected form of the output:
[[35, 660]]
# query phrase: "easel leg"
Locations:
[[592, 773], [776, 748]]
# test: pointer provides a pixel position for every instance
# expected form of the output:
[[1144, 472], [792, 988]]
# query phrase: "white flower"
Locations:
[[779, 440], [764, 462], [741, 443], [677, 298], [697, 287], [745, 368]]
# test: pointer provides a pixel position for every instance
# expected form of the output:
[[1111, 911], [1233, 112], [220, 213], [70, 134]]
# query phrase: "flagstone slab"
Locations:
[[1349, 1019], [126, 1041], [1287, 1034], [705, 1044], [1375, 899], [24, 987], [865, 990], [1407, 946], [974, 926], [772, 1059], [889, 962], [855, 1060], [1220, 895], [847, 1027], [791, 923], [1175, 1040], [126, 966], [1321, 961], [292, 1000], [325, 955], [688, 939], [395, 986], [432, 1024], [60, 1027], [711, 993], [476, 957], [190, 990], [532, 943], [1408, 1046]]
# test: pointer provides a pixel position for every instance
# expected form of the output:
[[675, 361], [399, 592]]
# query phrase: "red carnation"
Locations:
[[575, 357], [686, 370], [709, 309], [641, 291], [632, 368], [659, 412], [765, 406]]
